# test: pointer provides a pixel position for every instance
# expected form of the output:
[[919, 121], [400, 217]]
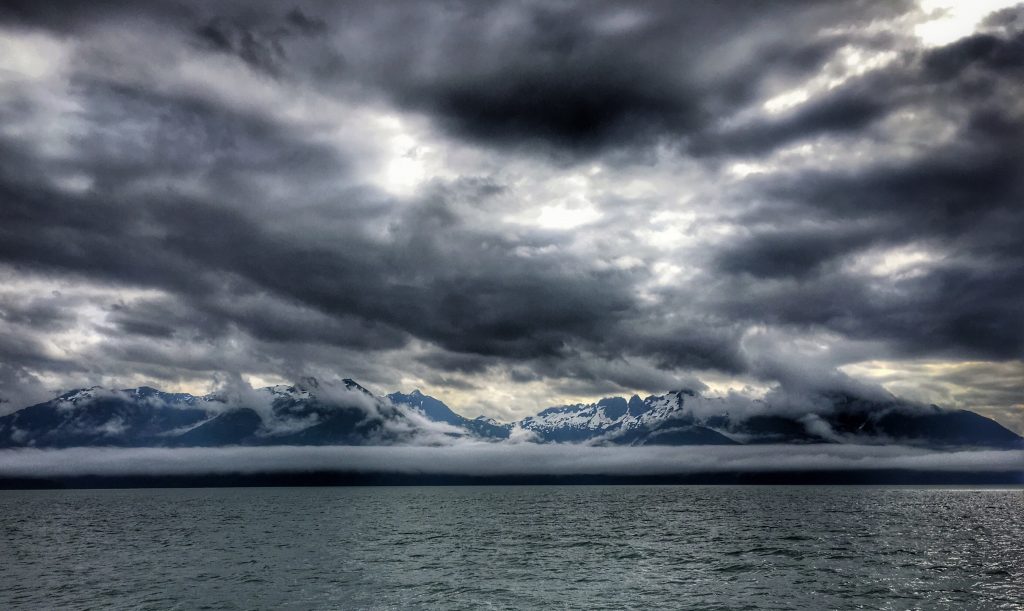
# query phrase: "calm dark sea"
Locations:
[[513, 547]]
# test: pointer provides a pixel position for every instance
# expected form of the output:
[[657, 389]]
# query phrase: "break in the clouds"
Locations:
[[514, 204]]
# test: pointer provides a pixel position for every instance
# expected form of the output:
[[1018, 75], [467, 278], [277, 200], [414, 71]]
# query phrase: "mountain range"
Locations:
[[311, 413]]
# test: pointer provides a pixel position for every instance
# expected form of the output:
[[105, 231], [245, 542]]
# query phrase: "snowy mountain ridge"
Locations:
[[314, 413]]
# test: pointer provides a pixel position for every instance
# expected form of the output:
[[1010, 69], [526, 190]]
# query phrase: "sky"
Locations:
[[516, 204]]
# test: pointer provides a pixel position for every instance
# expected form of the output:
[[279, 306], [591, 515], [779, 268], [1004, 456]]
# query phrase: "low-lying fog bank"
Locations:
[[490, 460]]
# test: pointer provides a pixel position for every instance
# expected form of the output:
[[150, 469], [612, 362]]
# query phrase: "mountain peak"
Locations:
[[636, 406], [78, 394], [353, 385]]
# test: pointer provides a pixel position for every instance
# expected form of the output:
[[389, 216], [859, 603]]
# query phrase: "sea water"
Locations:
[[515, 547]]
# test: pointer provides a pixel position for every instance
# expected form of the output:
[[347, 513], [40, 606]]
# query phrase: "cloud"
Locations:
[[561, 77], [18, 388], [498, 460], [515, 204]]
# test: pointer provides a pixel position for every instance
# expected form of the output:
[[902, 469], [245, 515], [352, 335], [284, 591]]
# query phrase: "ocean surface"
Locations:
[[516, 547]]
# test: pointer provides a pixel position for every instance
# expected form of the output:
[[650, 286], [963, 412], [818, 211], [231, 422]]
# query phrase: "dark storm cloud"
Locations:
[[261, 51], [576, 77], [264, 247], [589, 76], [967, 71], [962, 197], [985, 51], [793, 252], [949, 189], [19, 387], [570, 77], [709, 342], [38, 312], [305, 23], [71, 16], [833, 115], [500, 306], [952, 312], [25, 322], [429, 276], [261, 46]]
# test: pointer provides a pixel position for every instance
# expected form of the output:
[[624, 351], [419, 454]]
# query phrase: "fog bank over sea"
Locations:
[[499, 459]]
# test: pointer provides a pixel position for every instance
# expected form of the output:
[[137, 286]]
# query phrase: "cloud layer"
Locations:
[[513, 204], [489, 459]]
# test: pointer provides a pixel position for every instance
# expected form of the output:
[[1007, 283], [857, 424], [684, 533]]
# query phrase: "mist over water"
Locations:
[[514, 547], [500, 459]]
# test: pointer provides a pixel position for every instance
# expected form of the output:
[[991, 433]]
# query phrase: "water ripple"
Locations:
[[601, 547]]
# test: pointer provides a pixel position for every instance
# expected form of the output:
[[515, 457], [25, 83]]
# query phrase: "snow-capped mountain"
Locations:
[[311, 413], [661, 420], [684, 417], [306, 413]]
